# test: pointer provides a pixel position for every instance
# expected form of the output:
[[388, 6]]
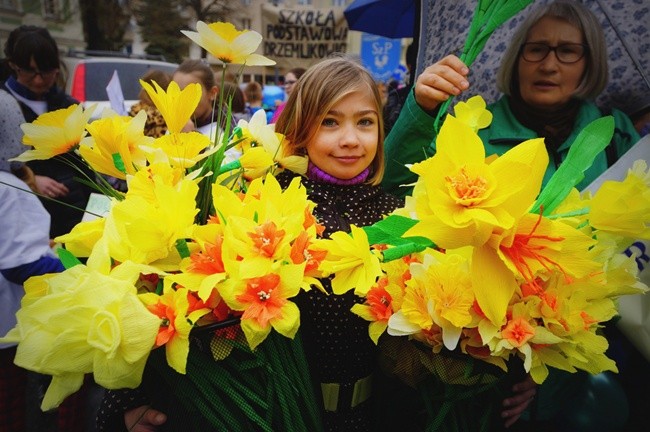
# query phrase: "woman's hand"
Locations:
[[514, 406], [143, 419], [447, 77], [50, 187]]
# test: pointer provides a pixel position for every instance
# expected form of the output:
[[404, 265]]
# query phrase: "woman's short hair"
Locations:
[[316, 93], [199, 67], [158, 76], [27, 41], [232, 90], [253, 92], [595, 76]]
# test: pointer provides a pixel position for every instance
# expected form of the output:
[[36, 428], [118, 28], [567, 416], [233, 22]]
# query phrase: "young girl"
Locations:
[[337, 122]]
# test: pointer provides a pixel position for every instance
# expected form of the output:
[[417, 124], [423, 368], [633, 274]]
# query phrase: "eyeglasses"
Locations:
[[290, 82], [30, 74], [565, 53]]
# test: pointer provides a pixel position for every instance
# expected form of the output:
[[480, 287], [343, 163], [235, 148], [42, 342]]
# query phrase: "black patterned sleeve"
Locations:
[[110, 416]]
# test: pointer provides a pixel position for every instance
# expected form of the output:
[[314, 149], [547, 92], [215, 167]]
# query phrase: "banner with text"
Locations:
[[380, 55], [300, 37]]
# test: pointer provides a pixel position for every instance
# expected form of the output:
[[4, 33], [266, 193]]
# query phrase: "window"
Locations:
[[11, 5], [338, 2], [52, 9], [303, 2], [246, 23]]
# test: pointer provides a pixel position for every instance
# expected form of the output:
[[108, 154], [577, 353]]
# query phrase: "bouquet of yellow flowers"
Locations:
[[482, 271], [199, 260]]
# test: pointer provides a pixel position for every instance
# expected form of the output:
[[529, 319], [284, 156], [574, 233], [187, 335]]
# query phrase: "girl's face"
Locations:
[[550, 83], [204, 108], [346, 141]]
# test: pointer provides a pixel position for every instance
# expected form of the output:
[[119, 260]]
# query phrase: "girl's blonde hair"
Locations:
[[316, 92]]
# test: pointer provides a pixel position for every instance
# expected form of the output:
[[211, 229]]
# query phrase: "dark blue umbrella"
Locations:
[[389, 18]]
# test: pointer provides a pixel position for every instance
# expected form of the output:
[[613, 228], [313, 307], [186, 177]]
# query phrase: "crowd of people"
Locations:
[[335, 114]]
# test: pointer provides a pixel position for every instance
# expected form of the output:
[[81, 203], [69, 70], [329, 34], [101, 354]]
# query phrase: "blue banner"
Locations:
[[380, 55]]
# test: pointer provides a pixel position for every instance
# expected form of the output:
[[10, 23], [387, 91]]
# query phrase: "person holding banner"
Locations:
[[554, 67], [33, 57]]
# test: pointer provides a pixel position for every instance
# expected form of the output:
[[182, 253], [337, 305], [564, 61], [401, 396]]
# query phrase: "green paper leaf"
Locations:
[[181, 247], [118, 162], [389, 231], [67, 258], [590, 142], [488, 16]]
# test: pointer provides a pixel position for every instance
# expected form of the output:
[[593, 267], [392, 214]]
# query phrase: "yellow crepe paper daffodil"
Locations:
[[473, 113], [55, 132], [175, 105], [229, 45], [460, 199], [378, 307], [82, 321], [83, 237], [351, 261], [172, 307], [130, 233], [265, 303], [182, 150], [114, 145], [623, 208], [257, 133]]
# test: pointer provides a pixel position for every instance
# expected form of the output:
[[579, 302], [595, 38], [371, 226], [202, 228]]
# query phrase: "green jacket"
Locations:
[[412, 139]]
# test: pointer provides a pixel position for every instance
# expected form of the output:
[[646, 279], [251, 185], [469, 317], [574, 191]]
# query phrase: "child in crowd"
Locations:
[[155, 125], [338, 124]]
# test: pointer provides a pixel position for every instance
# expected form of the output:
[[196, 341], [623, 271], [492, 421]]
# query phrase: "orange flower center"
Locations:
[[527, 247], [266, 238], [518, 331], [465, 187]]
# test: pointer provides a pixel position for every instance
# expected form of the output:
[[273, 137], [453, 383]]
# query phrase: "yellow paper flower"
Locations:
[[350, 260], [172, 307], [439, 293], [55, 132], [176, 106], [226, 43], [182, 150], [83, 237], [378, 307], [114, 145], [460, 199], [623, 208], [130, 233], [265, 303], [473, 113], [83, 321]]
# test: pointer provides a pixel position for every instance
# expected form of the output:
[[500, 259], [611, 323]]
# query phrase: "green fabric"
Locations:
[[412, 138]]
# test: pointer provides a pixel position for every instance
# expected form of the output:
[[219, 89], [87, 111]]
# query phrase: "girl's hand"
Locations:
[[50, 187], [524, 394], [447, 77], [143, 419]]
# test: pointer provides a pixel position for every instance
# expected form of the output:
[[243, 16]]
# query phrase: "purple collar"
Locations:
[[317, 174]]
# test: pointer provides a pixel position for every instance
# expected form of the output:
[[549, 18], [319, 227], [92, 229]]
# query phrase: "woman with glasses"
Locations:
[[290, 79], [32, 56], [555, 66]]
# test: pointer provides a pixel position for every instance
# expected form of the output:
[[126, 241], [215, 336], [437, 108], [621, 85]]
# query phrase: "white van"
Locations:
[[87, 78]]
